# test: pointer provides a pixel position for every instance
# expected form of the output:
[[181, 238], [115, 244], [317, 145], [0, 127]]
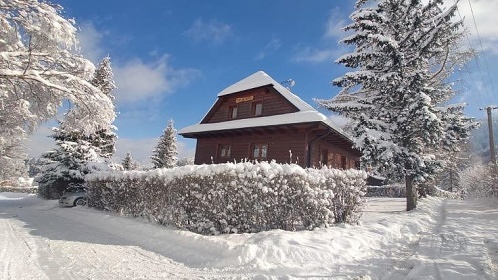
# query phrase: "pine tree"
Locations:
[[128, 163], [165, 155], [396, 93], [65, 165], [104, 139]]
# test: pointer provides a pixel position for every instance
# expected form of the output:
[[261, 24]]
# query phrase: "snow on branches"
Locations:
[[166, 152], [397, 87], [40, 67]]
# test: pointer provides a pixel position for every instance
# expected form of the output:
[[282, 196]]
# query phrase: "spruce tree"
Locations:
[[165, 155], [396, 93], [65, 165], [128, 163], [104, 139]]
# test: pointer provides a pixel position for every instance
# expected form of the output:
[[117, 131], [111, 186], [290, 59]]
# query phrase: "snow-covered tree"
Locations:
[[67, 164], [104, 139], [397, 94], [128, 163], [166, 152], [39, 68], [12, 162]]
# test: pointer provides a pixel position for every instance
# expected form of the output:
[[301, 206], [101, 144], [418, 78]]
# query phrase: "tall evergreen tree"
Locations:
[[68, 163], [103, 139], [396, 93], [65, 165], [128, 163], [166, 152]]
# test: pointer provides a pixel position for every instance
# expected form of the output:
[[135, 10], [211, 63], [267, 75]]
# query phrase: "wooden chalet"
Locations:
[[259, 119]]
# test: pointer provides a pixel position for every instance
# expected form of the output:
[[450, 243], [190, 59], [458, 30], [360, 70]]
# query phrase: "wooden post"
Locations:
[[491, 138]]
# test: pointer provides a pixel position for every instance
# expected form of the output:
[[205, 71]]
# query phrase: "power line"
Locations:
[[467, 70], [482, 48]]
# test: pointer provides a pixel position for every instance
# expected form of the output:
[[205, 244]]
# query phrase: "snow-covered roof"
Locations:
[[306, 113], [260, 79]]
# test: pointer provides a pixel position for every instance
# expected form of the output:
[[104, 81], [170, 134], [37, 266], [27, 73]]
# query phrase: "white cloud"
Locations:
[[137, 80], [486, 20], [333, 32], [334, 25], [90, 42], [313, 55], [269, 48], [212, 31]]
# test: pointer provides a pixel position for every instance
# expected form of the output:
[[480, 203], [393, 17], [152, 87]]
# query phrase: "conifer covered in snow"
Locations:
[[104, 139], [66, 164], [165, 155], [396, 93], [128, 163], [39, 68]]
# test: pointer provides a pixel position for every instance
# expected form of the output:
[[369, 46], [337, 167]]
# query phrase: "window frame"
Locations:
[[261, 146], [226, 147], [231, 111], [254, 108]]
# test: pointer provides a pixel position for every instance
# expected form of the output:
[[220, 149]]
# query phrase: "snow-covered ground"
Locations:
[[442, 239]]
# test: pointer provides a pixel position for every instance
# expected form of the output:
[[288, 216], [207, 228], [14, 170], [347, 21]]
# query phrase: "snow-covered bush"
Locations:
[[233, 198], [477, 182]]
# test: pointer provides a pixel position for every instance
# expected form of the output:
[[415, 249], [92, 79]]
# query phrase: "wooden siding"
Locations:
[[279, 145], [273, 104], [334, 156]]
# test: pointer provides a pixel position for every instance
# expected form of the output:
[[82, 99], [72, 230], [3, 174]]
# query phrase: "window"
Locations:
[[257, 108], [259, 151], [324, 157], [344, 162], [232, 112], [224, 150]]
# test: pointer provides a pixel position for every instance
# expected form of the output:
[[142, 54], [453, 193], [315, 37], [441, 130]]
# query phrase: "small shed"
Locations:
[[259, 119]]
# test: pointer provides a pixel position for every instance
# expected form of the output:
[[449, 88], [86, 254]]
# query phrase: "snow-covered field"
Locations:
[[442, 239]]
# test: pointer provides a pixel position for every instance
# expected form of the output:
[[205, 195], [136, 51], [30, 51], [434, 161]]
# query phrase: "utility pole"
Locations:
[[491, 137]]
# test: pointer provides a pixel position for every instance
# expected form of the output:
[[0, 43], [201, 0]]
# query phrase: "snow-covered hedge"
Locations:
[[21, 185], [233, 197], [478, 181]]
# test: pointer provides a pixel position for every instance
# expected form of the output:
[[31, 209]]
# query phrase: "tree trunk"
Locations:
[[411, 193]]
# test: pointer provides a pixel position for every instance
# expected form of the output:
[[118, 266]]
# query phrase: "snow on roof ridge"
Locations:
[[306, 112], [259, 79]]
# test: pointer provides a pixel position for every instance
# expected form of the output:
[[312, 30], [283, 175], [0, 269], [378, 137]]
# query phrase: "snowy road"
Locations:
[[443, 239]]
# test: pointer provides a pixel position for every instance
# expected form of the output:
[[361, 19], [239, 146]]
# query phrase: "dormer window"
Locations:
[[232, 112], [257, 108]]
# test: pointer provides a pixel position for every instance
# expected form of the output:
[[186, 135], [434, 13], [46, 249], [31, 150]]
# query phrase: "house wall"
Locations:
[[324, 153], [273, 104], [279, 144]]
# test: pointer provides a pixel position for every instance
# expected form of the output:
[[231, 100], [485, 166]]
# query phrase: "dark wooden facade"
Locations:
[[264, 121]]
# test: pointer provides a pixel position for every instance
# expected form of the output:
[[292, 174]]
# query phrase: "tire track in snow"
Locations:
[[452, 251], [18, 257]]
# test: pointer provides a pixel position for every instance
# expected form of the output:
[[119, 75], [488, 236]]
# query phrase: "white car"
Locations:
[[73, 196]]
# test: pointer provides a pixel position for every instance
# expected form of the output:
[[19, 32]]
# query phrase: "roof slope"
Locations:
[[305, 114], [260, 79]]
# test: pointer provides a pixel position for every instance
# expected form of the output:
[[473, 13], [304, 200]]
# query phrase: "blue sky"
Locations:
[[171, 58]]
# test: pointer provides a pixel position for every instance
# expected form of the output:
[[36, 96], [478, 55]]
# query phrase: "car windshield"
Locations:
[[75, 189]]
